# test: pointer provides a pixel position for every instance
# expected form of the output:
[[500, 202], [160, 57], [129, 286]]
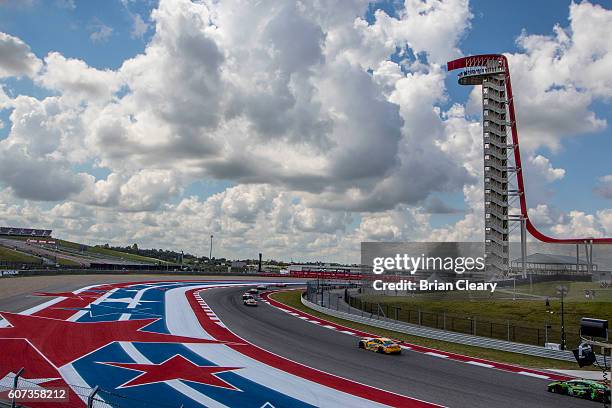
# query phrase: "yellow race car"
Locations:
[[380, 345]]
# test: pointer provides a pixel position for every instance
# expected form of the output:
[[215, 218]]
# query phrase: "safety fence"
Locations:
[[474, 325]]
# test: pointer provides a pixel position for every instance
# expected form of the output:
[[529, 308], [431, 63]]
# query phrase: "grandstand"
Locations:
[[25, 232]]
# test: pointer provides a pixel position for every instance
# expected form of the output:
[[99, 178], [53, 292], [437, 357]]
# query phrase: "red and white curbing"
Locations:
[[414, 347], [207, 310]]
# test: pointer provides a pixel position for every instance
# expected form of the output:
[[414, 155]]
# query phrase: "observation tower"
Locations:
[[503, 172]]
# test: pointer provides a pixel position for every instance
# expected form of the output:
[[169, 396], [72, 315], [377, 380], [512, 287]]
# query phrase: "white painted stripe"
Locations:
[[314, 321], [137, 298], [431, 353], [74, 380], [302, 317], [49, 303], [42, 306], [478, 363], [347, 332], [99, 300], [406, 347], [176, 303], [545, 377], [327, 326]]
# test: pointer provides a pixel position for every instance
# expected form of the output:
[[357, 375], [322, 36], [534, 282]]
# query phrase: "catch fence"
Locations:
[[16, 391]]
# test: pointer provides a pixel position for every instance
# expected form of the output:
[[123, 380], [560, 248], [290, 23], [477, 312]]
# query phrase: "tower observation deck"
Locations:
[[502, 160]]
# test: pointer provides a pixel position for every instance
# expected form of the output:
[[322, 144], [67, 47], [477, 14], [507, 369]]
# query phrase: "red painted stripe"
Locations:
[[300, 370], [453, 356]]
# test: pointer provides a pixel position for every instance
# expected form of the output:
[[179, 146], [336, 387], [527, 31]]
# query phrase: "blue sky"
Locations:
[[104, 38], [50, 27]]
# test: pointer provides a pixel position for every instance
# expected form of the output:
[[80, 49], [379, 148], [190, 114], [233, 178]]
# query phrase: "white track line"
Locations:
[[433, 354], [527, 373], [478, 363]]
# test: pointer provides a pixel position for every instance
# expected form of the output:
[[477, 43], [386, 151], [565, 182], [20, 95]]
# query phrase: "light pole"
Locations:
[[210, 254], [562, 290], [547, 323]]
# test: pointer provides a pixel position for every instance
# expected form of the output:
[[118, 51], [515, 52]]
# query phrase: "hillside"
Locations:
[[9, 255], [68, 253]]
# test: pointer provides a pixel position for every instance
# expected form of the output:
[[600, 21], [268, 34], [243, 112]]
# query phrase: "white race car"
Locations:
[[250, 302]]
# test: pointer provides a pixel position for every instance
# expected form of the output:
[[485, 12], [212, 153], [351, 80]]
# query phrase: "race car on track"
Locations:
[[262, 287], [587, 389], [252, 291], [380, 345], [250, 302], [281, 285], [246, 296]]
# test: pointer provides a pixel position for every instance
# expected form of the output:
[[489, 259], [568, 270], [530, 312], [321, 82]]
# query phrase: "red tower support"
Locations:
[[481, 62]]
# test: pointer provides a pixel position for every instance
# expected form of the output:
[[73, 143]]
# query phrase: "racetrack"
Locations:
[[414, 374], [167, 343]]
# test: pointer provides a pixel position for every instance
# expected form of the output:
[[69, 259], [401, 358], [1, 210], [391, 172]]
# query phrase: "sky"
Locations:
[[294, 128]]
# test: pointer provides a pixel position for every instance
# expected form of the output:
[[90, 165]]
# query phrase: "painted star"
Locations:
[[62, 342], [176, 368]]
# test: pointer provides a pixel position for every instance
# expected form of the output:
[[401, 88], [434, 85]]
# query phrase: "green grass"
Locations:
[[575, 290], [9, 255], [292, 298], [492, 315], [67, 244], [66, 262], [124, 255]]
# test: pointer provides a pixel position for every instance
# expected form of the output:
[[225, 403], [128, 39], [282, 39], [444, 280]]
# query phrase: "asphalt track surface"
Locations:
[[432, 379]]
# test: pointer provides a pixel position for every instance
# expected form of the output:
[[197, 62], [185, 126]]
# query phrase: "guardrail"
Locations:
[[443, 335]]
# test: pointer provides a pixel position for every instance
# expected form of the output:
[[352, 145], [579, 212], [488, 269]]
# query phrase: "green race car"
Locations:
[[587, 389]]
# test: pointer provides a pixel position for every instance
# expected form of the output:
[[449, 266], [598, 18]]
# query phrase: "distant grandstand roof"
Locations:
[[25, 232], [550, 259]]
